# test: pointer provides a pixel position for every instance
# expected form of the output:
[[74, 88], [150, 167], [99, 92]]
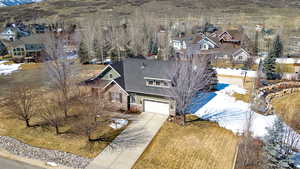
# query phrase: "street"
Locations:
[[12, 164]]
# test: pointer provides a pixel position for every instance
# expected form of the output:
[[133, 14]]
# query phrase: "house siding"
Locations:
[[113, 73], [113, 88]]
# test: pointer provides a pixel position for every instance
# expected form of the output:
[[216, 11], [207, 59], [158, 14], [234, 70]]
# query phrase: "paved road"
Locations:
[[11, 164], [130, 144]]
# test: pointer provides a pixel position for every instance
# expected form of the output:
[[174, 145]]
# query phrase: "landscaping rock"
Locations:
[[56, 157]]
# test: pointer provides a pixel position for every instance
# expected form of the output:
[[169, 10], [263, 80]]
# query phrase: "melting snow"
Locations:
[[233, 114], [8, 69]]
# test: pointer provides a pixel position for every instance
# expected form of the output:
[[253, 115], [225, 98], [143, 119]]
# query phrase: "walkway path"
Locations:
[[130, 144], [12, 164]]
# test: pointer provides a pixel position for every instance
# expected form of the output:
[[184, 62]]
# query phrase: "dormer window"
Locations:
[[158, 82]]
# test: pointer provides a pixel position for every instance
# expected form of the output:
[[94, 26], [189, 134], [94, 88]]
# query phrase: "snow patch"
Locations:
[[8, 69], [118, 123], [233, 114]]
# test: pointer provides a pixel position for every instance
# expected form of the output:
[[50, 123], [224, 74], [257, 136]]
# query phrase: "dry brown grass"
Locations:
[[287, 106], [199, 145], [44, 136]]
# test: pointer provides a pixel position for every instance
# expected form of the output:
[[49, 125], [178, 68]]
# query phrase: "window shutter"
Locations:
[[121, 97]]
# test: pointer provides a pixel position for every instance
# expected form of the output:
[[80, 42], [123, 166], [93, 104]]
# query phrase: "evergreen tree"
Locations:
[[278, 155], [270, 61], [83, 53], [269, 67], [277, 48]]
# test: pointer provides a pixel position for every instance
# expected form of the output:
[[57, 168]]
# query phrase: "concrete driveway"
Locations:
[[125, 150], [12, 164]]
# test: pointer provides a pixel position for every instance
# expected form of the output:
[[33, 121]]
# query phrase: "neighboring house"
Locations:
[[9, 33], [28, 48], [238, 55], [206, 43], [136, 84], [230, 36], [38, 28], [3, 50], [241, 55], [178, 44]]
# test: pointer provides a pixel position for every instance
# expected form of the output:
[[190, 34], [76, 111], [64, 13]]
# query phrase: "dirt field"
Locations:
[[200, 145]]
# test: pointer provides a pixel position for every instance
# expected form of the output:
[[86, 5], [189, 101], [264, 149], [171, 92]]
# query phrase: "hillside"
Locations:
[[273, 13]]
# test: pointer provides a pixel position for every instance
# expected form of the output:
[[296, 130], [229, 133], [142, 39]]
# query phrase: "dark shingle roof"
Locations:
[[134, 71]]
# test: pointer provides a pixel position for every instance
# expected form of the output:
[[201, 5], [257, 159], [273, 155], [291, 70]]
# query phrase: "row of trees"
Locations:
[[135, 36]]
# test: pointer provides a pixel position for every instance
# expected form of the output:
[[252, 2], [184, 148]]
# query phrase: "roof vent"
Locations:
[[143, 65]]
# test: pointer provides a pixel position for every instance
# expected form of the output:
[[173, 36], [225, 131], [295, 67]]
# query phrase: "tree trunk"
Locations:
[[27, 123], [57, 130]]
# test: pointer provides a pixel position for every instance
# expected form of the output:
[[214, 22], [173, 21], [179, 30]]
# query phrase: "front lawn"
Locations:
[[199, 145], [34, 75], [44, 136]]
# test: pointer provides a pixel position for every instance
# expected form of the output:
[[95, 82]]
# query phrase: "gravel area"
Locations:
[[62, 158]]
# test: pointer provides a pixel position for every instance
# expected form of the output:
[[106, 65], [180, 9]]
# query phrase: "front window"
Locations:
[[116, 97], [132, 99]]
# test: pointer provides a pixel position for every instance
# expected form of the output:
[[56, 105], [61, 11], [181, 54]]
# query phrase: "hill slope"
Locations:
[[273, 13]]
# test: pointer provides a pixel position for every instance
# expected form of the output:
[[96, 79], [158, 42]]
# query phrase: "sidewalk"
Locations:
[[125, 150]]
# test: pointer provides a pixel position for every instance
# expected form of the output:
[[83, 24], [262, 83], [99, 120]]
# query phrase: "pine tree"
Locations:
[[270, 62], [277, 153], [83, 53], [277, 48], [269, 67]]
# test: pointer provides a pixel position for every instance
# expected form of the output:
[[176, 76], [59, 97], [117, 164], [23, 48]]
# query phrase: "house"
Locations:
[[178, 44], [136, 84], [28, 48], [9, 33], [3, 50], [230, 36], [238, 55]]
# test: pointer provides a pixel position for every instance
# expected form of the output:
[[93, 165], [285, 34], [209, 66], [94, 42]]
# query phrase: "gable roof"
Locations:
[[240, 50], [134, 72]]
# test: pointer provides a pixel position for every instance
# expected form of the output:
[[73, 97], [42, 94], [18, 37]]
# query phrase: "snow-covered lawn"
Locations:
[[232, 114], [7, 69]]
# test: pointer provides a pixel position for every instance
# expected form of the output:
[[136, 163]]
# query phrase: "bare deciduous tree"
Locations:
[[187, 79], [92, 107], [60, 70], [21, 103], [52, 114]]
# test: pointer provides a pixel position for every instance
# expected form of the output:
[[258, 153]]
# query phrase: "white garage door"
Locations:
[[156, 107]]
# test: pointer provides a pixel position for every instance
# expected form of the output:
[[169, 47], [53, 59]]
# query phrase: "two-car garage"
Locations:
[[156, 107]]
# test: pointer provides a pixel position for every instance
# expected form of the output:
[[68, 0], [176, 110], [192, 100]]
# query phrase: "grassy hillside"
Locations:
[[226, 12]]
